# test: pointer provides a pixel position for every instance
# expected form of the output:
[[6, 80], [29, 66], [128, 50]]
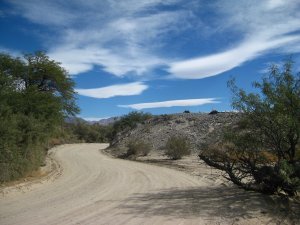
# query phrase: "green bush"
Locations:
[[137, 148], [177, 147], [127, 122], [85, 132], [36, 94]]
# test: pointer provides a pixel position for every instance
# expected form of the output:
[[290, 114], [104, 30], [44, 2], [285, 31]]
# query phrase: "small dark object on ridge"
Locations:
[[186, 111], [213, 112]]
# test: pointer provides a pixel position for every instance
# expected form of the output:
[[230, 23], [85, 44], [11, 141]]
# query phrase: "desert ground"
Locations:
[[87, 186]]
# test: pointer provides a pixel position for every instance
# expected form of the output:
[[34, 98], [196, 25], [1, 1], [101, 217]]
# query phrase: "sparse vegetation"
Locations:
[[261, 152], [193, 126], [137, 148], [177, 147]]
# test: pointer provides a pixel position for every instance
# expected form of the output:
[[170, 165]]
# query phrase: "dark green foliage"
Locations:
[[137, 148], [128, 122], [90, 133], [261, 153], [35, 96], [177, 147], [213, 112]]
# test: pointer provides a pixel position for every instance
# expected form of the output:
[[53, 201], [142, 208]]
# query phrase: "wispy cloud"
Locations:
[[135, 88], [45, 12], [79, 60], [12, 52], [257, 23], [119, 36], [129, 37], [172, 103], [218, 63], [272, 4]]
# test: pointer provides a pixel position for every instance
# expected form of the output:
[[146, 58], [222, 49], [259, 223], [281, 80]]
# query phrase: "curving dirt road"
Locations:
[[96, 189]]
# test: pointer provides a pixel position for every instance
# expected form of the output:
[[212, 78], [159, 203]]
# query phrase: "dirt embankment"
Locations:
[[197, 128]]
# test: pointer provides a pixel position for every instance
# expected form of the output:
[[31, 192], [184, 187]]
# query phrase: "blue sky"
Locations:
[[153, 55]]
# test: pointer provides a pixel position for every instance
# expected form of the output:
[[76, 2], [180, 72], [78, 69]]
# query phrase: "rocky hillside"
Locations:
[[198, 128]]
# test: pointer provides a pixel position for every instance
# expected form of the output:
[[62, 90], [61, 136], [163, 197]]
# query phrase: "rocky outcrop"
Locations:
[[198, 128]]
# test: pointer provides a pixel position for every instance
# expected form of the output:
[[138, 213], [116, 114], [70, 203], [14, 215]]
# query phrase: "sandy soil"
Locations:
[[89, 187]]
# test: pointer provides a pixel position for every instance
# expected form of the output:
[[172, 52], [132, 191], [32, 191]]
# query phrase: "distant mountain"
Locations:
[[108, 121], [74, 120], [103, 122]]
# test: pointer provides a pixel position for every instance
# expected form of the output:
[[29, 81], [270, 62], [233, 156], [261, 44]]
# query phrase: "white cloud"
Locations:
[[265, 26], [79, 60], [129, 37], [135, 88], [218, 63], [122, 46], [172, 103], [44, 12], [118, 36], [272, 4]]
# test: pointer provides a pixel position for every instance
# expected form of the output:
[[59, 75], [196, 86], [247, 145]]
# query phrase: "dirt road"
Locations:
[[96, 189]]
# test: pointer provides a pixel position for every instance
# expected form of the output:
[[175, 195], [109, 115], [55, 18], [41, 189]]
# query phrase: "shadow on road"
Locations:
[[223, 202]]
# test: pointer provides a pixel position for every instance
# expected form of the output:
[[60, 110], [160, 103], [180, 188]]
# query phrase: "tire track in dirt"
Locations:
[[94, 188]]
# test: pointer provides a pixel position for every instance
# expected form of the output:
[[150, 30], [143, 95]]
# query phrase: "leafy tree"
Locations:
[[129, 121], [36, 94], [261, 152], [86, 132]]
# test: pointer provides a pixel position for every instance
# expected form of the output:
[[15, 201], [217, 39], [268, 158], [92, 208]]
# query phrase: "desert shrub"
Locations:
[[137, 148], [165, 117], [178, 121], [177, 147], [186, 111], [261, 152]]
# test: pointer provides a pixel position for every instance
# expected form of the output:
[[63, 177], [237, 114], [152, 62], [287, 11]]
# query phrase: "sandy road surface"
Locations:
[[96, 189]]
